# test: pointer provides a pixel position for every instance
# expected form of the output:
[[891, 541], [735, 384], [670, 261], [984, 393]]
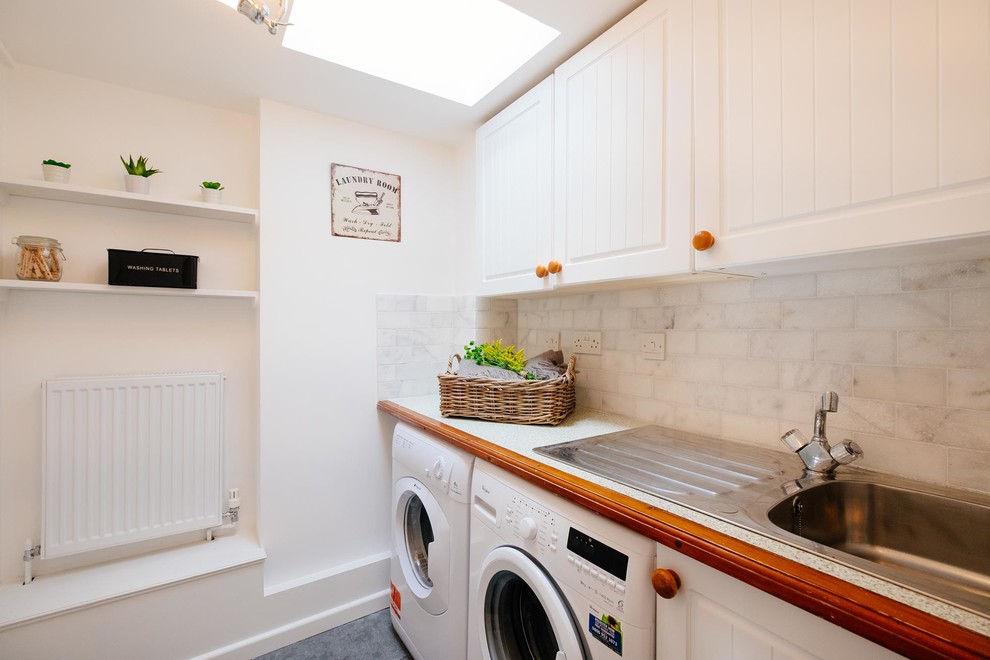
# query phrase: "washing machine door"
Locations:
[[421, 541], [525, 614]]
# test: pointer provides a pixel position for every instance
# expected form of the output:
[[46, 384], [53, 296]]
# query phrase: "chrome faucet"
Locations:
[[820, 458]]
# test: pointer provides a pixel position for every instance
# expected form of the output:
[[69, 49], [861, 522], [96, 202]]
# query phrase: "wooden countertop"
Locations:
[[888, 622]]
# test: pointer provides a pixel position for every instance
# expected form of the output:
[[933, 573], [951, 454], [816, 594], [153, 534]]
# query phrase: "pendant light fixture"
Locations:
[[268, 13]]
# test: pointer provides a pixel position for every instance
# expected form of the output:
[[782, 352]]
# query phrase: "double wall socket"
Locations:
[[588, 343]]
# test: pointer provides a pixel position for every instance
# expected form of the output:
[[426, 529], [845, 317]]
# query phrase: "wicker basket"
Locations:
[[498, 400]]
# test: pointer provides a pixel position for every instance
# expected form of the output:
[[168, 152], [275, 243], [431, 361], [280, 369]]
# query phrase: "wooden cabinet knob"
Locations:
[[541, 271], [702, 240], [666, 583], [554, 266]]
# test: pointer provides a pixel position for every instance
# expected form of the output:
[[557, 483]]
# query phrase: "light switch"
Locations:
[[653, 346]]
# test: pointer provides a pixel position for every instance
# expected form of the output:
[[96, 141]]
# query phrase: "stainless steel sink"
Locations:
[[930, 538], [924, 537]]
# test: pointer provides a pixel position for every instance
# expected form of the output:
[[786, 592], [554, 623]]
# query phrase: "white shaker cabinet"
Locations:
[[822, 127], [590, 171], [622, 150], [714, 615], [514, 194]]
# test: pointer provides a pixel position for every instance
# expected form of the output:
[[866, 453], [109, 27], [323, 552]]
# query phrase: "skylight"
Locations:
[[456, 49]]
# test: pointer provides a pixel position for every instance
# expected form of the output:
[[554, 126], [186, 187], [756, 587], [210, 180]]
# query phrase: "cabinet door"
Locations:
[[822, 127], [622, 149], [513, 152], [716, 616]]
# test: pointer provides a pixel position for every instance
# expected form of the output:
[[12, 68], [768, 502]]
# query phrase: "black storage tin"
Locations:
[[151, 268]]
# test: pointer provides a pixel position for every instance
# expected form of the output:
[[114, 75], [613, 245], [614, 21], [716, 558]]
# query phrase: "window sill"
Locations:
[[59, 593]]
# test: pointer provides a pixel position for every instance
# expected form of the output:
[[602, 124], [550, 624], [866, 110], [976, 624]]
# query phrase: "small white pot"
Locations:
[[211, 195], [137, 184], [55, 174]]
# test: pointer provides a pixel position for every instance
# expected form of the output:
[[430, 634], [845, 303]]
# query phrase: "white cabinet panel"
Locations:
[[871, 149], [513, 152], [622, 147], [832, 64], [964, 79], [830, 126], [797, 99], [716, 616], [915, 94]]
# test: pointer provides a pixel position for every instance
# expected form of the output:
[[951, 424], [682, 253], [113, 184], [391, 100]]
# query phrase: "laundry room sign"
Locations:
[[365, 203]]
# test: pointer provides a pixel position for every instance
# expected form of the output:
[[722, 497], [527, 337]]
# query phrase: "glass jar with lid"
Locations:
[[38, 258]]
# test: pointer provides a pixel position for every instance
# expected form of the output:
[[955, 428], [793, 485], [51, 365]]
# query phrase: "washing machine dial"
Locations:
[[527, 528], [438, 468]]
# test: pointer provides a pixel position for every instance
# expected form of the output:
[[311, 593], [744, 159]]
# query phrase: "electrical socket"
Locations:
[[547, 340], [588, 343], [653, 347]]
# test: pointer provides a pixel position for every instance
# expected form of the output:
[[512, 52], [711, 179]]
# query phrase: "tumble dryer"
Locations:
[[551, 579], [431, 487]]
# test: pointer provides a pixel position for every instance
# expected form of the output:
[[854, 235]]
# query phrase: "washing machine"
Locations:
[[551, 579], [431, 488]]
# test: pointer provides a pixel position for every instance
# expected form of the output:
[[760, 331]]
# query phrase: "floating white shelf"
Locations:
[[80, 287], [119, 199]]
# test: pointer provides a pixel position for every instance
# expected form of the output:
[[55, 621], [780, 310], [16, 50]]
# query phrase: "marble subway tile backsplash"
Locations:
[[418, 334], [907, 349]]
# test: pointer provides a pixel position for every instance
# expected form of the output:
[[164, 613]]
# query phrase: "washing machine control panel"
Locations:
[[438, 469], [603, 565], [589, 564], [534, 525], [432, 463]]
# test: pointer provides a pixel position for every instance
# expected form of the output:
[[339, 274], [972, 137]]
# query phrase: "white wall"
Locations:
[[52, 335], [323, 462], [325, 454], [91, 124], [4, 97], [49, 335]]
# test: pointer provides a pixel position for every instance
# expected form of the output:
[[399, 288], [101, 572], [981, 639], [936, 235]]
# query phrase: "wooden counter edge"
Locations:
[[887, 622]]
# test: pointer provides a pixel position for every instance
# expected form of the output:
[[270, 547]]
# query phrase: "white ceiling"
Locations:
[[203, 51]]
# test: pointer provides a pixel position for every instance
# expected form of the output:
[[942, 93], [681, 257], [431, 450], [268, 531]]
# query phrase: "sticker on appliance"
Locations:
[[396, 601], [606, 629]]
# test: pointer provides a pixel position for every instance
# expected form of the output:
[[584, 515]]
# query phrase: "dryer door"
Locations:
[[421, 540], [525, 614]]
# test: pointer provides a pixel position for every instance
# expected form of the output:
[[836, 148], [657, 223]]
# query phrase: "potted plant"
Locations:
[[137, 174], [55, 171], [211, 191]]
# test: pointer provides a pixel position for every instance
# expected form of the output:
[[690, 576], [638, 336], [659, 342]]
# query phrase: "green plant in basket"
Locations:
[[56, 163], [211, 185], [495, 355]]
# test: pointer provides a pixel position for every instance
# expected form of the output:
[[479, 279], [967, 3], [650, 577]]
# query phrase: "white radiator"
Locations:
[[130, 459]]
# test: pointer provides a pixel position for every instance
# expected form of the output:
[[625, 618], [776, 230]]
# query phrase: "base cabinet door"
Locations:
[[514, 200], [824, 127], [622, 150], [716, 616]]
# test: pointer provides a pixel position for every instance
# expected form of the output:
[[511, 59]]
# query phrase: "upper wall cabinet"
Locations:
[[513, 152], [622, 150], [823, 127]]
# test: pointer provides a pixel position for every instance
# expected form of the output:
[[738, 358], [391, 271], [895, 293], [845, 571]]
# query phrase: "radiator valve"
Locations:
[[231, 515], [30, 552], [233, 506]]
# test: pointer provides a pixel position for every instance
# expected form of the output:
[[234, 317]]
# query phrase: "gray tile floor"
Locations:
[[368, 638]]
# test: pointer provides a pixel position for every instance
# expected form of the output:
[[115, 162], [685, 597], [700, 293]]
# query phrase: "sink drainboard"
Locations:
[[669, 463]]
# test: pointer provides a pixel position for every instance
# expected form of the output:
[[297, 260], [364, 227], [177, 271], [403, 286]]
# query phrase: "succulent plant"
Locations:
[[55, 163], [140, 168], [211, 185]]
